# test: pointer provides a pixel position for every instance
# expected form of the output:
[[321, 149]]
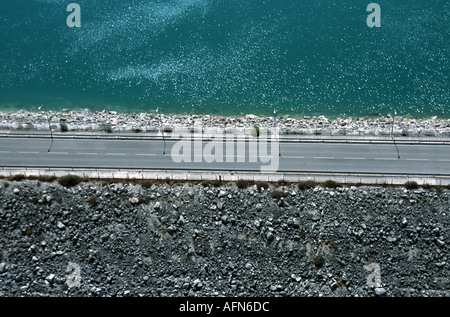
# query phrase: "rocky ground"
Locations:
[[150, 122], [198, 240]]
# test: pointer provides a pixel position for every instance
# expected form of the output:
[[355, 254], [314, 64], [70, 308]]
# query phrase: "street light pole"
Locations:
[[162, 130], [392, 134], [275, 119], [49, 127]]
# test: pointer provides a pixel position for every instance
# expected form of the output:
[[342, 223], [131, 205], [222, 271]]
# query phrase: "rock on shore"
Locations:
[[152, 122], [195, 240]]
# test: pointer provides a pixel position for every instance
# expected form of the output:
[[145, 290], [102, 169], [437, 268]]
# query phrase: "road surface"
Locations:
[[295, 157]]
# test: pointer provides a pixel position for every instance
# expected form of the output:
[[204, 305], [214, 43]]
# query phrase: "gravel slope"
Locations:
[[191, 240]]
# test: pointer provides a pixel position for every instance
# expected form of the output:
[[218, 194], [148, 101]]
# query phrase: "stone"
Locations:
[[134, 200], [50, 278], [440, 243], [380, 291]]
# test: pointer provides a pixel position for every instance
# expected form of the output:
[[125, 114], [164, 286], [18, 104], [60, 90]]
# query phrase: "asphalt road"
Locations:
[[295, 157]]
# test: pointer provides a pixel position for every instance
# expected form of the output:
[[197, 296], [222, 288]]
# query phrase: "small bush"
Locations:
[[217, 183], [330, 184], [281, 182], [278, 194], [147, 183], [255, 131], [333, 244], [69, 180], [63, 127], [306, 184], [92, 201], [261, 185], [242, 183], [29, 231], [6, 184], [107, 128], [427, 186], [143, 199], [319, 261], [411, 185]]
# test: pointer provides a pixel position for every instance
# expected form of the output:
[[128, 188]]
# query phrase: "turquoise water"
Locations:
[[227, 57]]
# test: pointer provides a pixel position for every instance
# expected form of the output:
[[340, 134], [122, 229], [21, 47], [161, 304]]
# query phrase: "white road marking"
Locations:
[[87, 154], [417, 159], [120, 154], [63, 153], [294, 157], [5, 152], [29, 152]]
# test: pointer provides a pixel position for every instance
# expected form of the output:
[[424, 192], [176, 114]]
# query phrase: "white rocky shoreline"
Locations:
[[118, 122]]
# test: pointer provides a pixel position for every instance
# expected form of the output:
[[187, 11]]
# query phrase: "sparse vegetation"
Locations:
[[278, 194], [92, 201], [331, 184], [143, 199], [107, 128], [29, 231], [333, 244], [217, 183], [147, 183], [242, 183], [63, 127], [306, 184], [69, 180], [16, 178], [318, 260], [47, 179], [186, 256], [261, 185], [255, 131]]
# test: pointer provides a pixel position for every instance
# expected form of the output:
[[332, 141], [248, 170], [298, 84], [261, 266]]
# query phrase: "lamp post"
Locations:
[[162, 130], [275, 120], [49, 127], [392, 134]]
